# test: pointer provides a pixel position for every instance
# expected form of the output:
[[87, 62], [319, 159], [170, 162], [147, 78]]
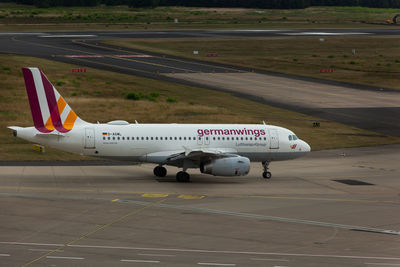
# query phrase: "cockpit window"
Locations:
[[290, 137], [293, 137]]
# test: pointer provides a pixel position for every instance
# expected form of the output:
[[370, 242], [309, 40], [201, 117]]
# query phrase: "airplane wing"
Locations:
[[198, 154], [177, 158]]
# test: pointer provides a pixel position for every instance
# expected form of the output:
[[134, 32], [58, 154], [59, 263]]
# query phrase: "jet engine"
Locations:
[[232, 166]]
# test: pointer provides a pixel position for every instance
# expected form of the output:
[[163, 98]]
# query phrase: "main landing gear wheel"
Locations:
[[160, 171], [266, 174], [182, 177]]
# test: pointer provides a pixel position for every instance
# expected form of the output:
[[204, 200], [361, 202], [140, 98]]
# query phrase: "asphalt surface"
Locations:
[[120, 215], [85, 49]]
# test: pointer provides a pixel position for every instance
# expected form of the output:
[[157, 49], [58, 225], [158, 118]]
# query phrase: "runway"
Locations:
[[371, 108], [306, 215]]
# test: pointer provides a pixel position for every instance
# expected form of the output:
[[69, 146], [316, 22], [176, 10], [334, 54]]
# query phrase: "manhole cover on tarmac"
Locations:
[[352, 182]]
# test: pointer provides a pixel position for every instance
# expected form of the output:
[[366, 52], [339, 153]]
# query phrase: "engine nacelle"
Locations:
[[232, 166]]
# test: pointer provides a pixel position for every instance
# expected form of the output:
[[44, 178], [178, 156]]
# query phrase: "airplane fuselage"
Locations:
[[148, 142]]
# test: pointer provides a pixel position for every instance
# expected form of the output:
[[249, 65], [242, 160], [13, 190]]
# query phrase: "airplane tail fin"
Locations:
[[49, 109]]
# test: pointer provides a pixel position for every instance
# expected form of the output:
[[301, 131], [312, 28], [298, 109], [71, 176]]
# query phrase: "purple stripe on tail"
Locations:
[[52, 102], [34, 101]]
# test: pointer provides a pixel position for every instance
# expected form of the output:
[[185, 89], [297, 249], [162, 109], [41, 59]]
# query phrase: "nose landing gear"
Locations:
[[266, 174]]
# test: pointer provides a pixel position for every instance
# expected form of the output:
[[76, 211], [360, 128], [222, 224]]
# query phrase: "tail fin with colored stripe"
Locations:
[[49, 110]]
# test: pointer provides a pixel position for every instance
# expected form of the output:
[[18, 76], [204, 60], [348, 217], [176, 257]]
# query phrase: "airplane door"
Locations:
[[89, 138], [273, 139]]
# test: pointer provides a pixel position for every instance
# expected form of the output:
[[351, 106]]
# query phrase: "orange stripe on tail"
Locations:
[[61, 105], [69, 122], [49, 125]]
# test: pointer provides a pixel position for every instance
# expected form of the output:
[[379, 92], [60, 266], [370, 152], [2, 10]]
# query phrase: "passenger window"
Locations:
[[214, 138], [180, 138], [241, 138], [246, 138], [118, 137], [161, 138], [219, 138], [127, 138], [104, 138], [147, 138], [108, 138], [156, 138], [194, 138], [265, 138], [123, 138], [223, 138], [151, 138], [189, 138], [251, 138], [175, 138], [113, 138], [237, 138], [170, 138], [142, 138], [227, 138], [207, 138], [184, 138]]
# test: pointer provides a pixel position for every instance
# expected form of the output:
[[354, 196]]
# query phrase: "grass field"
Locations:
[[90, 93], [376, 61], [26, 18]]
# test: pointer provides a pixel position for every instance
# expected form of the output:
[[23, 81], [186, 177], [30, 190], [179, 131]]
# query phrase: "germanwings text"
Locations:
[[256, 133]]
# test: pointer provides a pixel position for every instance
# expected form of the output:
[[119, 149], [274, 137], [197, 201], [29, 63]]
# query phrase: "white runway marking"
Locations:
[[256, 30], [216, 264], [324, 33], [260, 259], [68, 36], [142, 261], [132, 56], [4, 255], [382, 264], [156, 255], [65, 258], [212, 251], [84, 56]]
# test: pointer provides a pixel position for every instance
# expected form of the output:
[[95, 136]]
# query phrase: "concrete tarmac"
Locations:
[[123, 215]]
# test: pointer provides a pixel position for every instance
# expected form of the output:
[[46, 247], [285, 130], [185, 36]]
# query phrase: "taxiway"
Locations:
[[308, 214]]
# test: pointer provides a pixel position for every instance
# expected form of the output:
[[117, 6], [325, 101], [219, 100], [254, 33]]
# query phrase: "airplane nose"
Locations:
[[306, 147]]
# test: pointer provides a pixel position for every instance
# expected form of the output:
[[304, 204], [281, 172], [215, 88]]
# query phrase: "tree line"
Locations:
[[266, 4]]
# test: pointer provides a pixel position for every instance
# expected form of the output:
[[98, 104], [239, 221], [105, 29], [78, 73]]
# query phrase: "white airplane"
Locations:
[[217, 149]]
